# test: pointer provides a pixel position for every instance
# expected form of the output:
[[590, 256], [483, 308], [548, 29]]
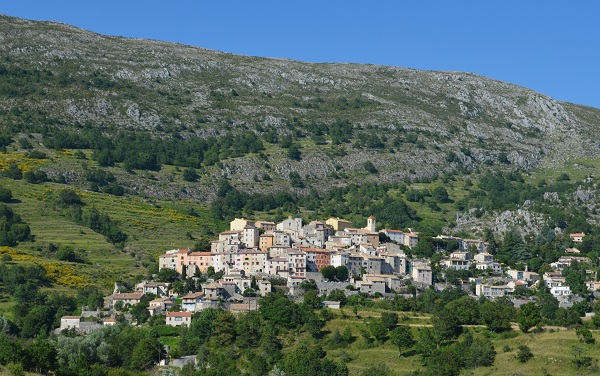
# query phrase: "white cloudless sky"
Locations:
[[546, 45]]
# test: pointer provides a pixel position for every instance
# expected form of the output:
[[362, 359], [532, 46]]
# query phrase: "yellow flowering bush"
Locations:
[[17, 255], [64, 274], [57, 272], [25, 164]]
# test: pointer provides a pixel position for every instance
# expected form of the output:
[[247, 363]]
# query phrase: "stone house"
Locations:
[[178, 318], [190, 302], [422, 274], [70, 322], [128, 298], [156, 288]]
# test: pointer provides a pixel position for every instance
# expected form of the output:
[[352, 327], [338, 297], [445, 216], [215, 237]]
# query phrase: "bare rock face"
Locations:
[[551, 196], [134, 112], [584, 195], [474, 221]]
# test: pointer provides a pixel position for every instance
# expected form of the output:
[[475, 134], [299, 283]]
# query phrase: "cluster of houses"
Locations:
[[290, 250], [251, 253]]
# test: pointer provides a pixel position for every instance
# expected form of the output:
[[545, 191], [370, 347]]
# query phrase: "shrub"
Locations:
[[585, 335], [36, 154], [295, 179], [70, 255], [5, 194], [582, 362], [69, 197], [370, 168], [524, 353], [13, 172], [189, 174]]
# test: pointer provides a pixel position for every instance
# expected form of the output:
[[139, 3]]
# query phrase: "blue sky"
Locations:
[[546, 45]]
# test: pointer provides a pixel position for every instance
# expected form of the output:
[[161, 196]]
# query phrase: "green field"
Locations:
[[554, 350]]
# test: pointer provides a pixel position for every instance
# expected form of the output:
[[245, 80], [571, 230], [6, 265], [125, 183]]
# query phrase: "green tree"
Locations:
[[389, 320], [329, 272], [167, 275], [200, 330], [145, 354], [378, 330], [444, 361], [427, 341], [445, 325], [336, 339], [465, 309], [311, 299], [278, 309], [575, 277], [313, 323], [425, 247], [294, 152], [257, 366], [513, 248], [202, 245], [223, 333], [248, 330], [440, 194], [189, 174], [309, 360], [210, 271], [13, 172], [480, 353], [140, 313], [377, 370], [70, 255], [548, 304], [528, 316], [497, 314], [347, 335], [402, 337], [37, 322], [41, 355], [10, 349], [270, 344], [12, 229], [341, 273]]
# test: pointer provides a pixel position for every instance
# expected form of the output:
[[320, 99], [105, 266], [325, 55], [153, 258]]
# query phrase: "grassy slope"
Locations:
[[156, 225], [153, 226], [553, 351]]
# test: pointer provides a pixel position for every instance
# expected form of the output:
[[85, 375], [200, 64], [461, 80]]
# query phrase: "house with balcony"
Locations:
[[191, 301], [490, 291], [296, 263]]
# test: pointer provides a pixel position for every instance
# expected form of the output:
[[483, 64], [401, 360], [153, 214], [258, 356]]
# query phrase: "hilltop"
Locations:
[[410, 124]]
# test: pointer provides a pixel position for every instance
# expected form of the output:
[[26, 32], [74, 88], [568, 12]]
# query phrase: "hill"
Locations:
[[114, 150], [410, 124], [171, 141]]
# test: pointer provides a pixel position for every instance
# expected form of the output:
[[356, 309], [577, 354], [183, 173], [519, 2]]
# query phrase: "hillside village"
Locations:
[[254, 258], [116, 154]]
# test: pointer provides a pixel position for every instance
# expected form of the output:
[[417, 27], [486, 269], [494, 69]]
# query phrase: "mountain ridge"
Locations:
[[426, 122]]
